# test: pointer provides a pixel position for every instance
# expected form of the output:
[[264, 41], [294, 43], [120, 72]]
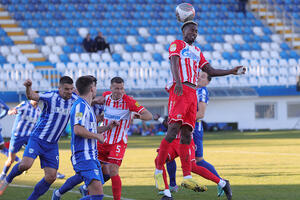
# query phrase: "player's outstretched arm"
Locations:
[[221, 72], [83, 132], [146, 115], [111, 125], [31, 95], [13, 111]]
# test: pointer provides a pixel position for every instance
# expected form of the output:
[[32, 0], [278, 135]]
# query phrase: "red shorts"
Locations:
[[111, 153], [183, 108], [173, 151]]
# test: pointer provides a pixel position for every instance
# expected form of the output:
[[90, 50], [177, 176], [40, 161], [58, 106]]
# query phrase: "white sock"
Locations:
[[158, 171], [187, 177], [84, 187], [57, 193], [222, 183], [167, 193]]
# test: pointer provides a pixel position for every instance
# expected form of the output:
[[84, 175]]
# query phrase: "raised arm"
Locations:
[[144, 115], [31, 95], [175, 73], [221, 72]]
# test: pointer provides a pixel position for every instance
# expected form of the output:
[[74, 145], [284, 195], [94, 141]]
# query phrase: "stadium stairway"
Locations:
[[272, 14], [27, 50]]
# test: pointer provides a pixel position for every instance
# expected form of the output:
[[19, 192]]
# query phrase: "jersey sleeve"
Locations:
[[106, 93], [133, 105], [175, 48], [203, 61], [80, 114], [202, 95], [45, 96], [21, 106]]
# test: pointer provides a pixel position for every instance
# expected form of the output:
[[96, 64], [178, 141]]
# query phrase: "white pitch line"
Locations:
[[259, 153], [72, 191]]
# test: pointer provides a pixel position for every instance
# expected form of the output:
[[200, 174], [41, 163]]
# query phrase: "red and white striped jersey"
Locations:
[[191, 60], [119, 110]]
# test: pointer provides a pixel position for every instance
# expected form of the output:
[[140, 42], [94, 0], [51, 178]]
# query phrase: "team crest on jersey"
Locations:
[[96, 171], [179, 116], [137, 104], [173, 47], [31, 150], [78, 115]]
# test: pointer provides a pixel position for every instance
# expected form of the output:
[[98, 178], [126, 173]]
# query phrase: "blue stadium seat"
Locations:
[[157, 57], [129, 48], [64, 58], [284, 46], [70, 40], [78, 49], [2, 59], [117, 57], [67, 49], [39, 41]]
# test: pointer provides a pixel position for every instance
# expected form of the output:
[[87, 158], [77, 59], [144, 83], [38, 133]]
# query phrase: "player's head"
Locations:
[[86, 85], [99, 34], [203, 79], [189, 31], [117, 87], [65, 87], [88, 35]]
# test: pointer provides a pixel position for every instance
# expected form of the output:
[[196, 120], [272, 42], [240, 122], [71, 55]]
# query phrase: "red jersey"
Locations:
[[119, 110], [191, 60]]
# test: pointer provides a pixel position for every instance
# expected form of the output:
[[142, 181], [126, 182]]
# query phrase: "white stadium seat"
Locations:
[[258, 31], [265, 46], [71, 66], [283, 62], [273, 62], [49, 40], [159, 48], [246, 55], [170, 39], [53, 58], [106, 57], [31, 32], [216, 55], [201, 39], [207, 55], [143, 32], [275, 46], [119, 48], [46, 50], [57, 50], [229, 39], [238, 39], [131, 40], [19, 67], [85, 57], [61, 67], [82, 65], [29, 66], [92, 65], [265, 54], [4, 50], [22, 58], [74, 57], [83, 32], [161, 39], [7, 66], [292, 62], [95, 57], [124, 65], [127, 56], [276, 38], [218, 47], [274, 54], [255, 55], [149, 48], [15, 50], [228, 47], [59, 40], [147, 56]]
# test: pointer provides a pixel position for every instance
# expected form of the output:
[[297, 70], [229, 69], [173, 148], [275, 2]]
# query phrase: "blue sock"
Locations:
[[208, 166], [106, 177], [93, 197], [5, 169], [171, 167], [70, 183], [39, 189], [13, 173], [4, 151]]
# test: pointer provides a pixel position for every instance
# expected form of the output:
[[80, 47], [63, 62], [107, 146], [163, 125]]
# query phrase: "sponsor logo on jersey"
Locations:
[[189, 54]]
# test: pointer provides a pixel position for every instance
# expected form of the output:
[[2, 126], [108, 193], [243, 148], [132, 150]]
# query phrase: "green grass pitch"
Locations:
[[259, 165]]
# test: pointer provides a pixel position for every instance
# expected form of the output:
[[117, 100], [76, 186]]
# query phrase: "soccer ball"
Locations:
[[185, 12]]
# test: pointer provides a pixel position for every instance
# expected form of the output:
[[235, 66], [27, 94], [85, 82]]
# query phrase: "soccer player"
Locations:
[[27, 114], [84, 138], [3, 112], [202, 99], [43, 141], [118, 106], [186, 60]]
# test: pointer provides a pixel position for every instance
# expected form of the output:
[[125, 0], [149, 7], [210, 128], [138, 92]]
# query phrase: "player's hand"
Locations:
[[156, 116], [113, 124], [178, 89], [239, 70], [100, 118], [98, 100], [100, 138], [12, 112], [136, 116], [28, 83]]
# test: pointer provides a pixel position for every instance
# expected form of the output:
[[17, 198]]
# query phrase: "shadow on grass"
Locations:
[[240, 192]]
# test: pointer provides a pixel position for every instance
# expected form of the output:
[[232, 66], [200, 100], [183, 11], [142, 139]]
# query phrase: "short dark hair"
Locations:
[[116, 80], [65, 79], [93, 78], [84, 83]]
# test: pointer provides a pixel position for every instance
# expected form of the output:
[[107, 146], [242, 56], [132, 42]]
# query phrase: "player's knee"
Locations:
[[24, 166], [50, 178]]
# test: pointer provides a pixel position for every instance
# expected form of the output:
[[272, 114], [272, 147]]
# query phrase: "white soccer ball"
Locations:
[[185, 12]]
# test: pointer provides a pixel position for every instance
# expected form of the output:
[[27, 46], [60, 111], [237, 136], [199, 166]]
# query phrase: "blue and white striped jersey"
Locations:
[[82, 148], [202, 96], [26, 119], [55, 116], [98, 109]]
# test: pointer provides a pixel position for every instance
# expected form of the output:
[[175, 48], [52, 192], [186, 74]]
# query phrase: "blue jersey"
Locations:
[[26, 119], [202, 96], [3, 109], [54, 117], [98, 109], [82, 148]]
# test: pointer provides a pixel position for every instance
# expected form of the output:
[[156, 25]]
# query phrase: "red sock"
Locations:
[[162, 154], [185, 158], [205, 173], [116, 185], [165, 178]]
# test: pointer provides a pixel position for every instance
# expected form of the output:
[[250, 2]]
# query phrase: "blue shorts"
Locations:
[[48, 152], [89, 170], [1, 138], [198, 139], [16, 143]]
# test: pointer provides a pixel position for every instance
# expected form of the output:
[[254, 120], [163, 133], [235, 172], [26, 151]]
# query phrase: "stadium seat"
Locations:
[[53, 58], [74, 57], [57, 50], [4, 50], [95, 57]]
